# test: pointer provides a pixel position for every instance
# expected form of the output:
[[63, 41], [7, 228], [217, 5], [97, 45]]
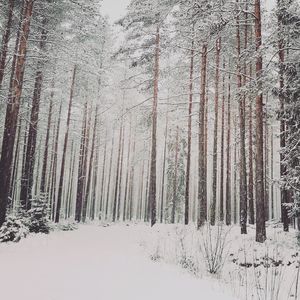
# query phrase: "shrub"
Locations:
[[38, 216], [14, 229], [67, 226], [213, 247]]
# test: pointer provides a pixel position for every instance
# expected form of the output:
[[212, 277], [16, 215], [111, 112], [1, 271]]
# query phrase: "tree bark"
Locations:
[[164, 169], [202, 196], [243, 172], [152, 192], [102, 196], [222, 151], [46, 147], [114, 217], [27, 177], [174, 202], [260, 194], [12, 111], [109, 177], [228, 167], [215, 142], [283, 169], [91, 162], [62, 170], [189, 144], [5, 39], [80, 179]]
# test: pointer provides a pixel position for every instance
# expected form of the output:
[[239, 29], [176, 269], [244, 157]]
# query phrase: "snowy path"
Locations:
[[93, 263]]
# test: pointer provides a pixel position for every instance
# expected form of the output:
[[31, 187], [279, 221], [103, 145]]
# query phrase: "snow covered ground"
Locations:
[[95, 262], [251, 270]]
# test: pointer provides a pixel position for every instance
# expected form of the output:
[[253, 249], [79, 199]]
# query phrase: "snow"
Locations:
[[96, 262], [250, 270]]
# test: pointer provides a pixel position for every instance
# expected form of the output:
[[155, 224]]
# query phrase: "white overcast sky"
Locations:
[[114, 8]]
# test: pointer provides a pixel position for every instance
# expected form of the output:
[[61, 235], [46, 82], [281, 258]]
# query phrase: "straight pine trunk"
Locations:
[[215, 142], [12, 110], [222, 150], [28, 172], [131, 187], [91, 162], [228, 167], [202, 196], [164, 169], [115, 203], [80, 178], [174, 202], [62, 170], [242, 124], [189, 145], [102, 190], [54, 169], [5, 39], [85, 165], [121, 176], [283, 169], [152, 191], [260, 194], [251, 172], [46, 147], [127, 175], [95, 178], [109, 178]]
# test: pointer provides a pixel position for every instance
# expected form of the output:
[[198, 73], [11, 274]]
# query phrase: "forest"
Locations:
[[179, 120]]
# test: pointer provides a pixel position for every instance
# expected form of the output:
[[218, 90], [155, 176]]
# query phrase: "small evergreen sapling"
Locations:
[[38, 216], [14, 229]]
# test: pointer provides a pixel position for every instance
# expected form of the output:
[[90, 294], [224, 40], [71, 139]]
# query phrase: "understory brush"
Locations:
[[268, 271]]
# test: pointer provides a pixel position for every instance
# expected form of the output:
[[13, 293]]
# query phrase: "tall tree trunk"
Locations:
[[174, 202], [62, 170], [85, 165], [202, 196], [54, 168], [91, 162], [235, 173], [215, 142], [152, 192], [27, 177], [102, 190], [46, 147], [127, 175], [283, 169], [70, 182], [147, 202], [189, 145], [121, 176], [222, 150], [15, 164], [95, 179], [109, 177], [162, 204], [12, 110], [272, 174], [251, 173], [243, 172], [140, 200], [5, 39], [251, 176], [228, 167], [117, 175], [260, 201], [80, 179], [130, 195], [266, 161]]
